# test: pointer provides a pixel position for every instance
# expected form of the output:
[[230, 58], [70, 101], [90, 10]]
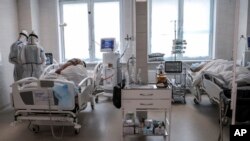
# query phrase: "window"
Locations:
[[190, 20], [84, 23]]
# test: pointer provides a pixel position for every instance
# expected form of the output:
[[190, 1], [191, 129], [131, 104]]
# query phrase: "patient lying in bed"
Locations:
[[73, 70], [222, 70]]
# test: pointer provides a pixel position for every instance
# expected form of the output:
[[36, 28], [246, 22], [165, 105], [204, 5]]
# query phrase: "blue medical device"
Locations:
[[107, 44]]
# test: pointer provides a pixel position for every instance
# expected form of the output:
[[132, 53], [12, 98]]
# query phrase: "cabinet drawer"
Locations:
[[146, 94], [145, 104]]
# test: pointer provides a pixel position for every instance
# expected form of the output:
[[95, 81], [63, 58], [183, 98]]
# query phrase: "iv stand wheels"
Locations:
[[35, 128]]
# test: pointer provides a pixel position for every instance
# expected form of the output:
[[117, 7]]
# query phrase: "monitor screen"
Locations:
[[107, 44], [49, 58], [173, 66]]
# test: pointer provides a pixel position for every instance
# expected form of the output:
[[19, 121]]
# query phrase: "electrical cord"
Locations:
[[51, 126], [108, 77]]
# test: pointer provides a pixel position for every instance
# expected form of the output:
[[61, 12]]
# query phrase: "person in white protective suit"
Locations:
[[32, 57], [14, 55]]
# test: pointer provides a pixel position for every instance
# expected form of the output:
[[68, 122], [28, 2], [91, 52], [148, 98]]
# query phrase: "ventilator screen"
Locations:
[[107, 44], [49, 58]]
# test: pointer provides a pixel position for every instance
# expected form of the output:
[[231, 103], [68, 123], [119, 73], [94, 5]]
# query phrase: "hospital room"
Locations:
[[124, 70]]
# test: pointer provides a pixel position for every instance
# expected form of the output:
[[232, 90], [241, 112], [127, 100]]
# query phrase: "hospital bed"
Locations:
[[221, 95], [97, 81], [50, 101], [195, 74], [215, 80], [94, 75]]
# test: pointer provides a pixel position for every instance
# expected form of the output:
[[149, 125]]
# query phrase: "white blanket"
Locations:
[[222, 69], [72, 73], [75, 73]]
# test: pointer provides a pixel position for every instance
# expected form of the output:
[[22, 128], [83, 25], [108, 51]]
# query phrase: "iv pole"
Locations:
[[234, 87], [175, 38]]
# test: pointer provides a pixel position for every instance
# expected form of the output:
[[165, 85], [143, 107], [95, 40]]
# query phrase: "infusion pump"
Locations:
[[112, 70]]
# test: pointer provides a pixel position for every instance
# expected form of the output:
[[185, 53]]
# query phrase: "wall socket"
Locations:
[[242, 36]]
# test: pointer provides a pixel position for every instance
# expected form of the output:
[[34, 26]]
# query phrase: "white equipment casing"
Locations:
[[111, 71]]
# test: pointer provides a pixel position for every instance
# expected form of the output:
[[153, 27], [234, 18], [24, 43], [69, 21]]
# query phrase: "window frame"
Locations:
[[92, 42], [180, 32]]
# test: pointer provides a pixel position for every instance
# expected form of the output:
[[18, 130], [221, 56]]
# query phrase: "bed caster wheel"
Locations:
[[77, 131], [93, 107], [225, 121], [35, 128], [184, 102], [196, 101], [96, 99]]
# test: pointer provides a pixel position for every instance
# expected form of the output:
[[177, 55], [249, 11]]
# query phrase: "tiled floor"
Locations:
[[190, 122]]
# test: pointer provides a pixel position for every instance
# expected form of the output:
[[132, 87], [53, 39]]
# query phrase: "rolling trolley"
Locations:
[[177, 78]]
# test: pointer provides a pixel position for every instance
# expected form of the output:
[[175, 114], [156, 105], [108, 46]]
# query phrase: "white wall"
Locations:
[[49, 38], [128, 28], [34, 11], [8, 34], [224, 29], [241, 19], [24, 15]]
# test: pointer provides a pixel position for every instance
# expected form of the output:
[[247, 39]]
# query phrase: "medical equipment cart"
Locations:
[[177, 78], [146, 111]]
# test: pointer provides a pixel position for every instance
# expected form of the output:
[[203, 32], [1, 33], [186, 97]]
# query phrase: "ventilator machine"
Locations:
[[111, 64]]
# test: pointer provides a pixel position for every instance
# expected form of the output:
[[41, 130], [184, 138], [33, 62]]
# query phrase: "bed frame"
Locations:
[[222, 97], [34, 100]]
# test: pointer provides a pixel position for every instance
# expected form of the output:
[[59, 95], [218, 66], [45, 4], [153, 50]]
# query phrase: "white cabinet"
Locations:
[[146, 111]]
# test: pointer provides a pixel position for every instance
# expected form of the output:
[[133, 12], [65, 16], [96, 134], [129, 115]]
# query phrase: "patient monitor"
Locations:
[[107, 44]]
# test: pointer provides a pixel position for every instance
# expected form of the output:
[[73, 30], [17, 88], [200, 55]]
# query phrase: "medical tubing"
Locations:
[[124, 50], [128, 68], [109, 76], [51, 126]]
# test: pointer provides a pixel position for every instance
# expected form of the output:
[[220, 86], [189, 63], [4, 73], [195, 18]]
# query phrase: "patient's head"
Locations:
[[73, 61], [76, 61]]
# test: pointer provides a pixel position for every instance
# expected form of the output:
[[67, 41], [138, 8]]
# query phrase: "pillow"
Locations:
[[197, 66], [155, 59], [152, 55]]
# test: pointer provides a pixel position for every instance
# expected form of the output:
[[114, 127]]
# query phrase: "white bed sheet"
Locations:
[[222, 69], [71, 73]]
